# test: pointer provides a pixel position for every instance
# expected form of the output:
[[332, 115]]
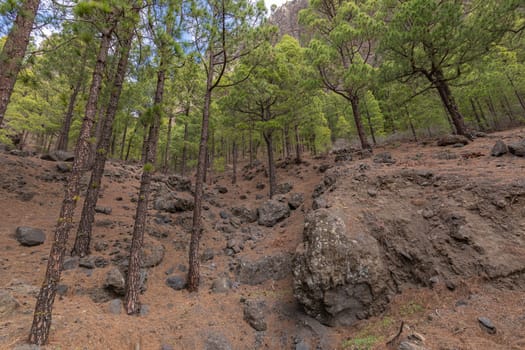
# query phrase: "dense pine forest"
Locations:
[[211, 90]]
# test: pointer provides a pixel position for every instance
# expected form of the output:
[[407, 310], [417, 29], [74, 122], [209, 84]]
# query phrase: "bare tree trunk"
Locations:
[[123, 140], [370, 126], [493, 113], [130, 143], [476, 115], [196, 233], [271, 163], [42, 317], [63, 138], [131, 299], [84, 232], [298, 159], [482, 113], [234, 158], [411, 124], [506, 105], [184, 150], [251, 145], [358, 123], [450, 105], [14, 50], [520, 99], [168, 144]]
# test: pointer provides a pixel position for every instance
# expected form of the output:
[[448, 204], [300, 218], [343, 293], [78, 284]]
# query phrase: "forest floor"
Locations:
[[31, 191]]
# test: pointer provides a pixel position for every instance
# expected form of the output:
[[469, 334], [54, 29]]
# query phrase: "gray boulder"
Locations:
[[246, 215], [295, 200], [339, 276], [115, 281], [152, 254], [179, 183], [272, 267], [8, 304], [449, 140], [254, 314], [271, 212], [29, 236], [177, 282], [518, 148], [499, 149], [217, 341], [59, 156], [173, 204]]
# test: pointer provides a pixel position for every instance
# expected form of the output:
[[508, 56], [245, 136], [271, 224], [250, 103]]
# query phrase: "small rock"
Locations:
[[8, 304], [449, 140], [63, 167], [207, 255], [302, 345], [499, 149], [224, 215], [254, 315], [284, 188], [177, 282], [372, 192], [384, 157], [487, 325], [166, 347], [295, 200], [221, 189], [62, 289], [217, 341], [221, 285], [416, 337], [29, 236], [103, 210], [410, 346], [115, 281], [260, 186], [518, 149], [70, 263], [115, 306]]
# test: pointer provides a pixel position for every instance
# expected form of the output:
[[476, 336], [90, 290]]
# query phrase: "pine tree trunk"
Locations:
[[476, 115], [298, 159], [42, 317], [450, 105], [506, 105], [492, 111], [184, 150], [131, 299], [234, 158], [14, 50], [482, 113], [63, 138], [268, 138], [358, 123], [520, 99], [168, 144], [196, 232], [123, 140], [411, 124], [84, 233], [370, 126]]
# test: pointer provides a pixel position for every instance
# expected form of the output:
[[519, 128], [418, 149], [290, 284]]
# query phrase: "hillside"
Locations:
[[448, 226]]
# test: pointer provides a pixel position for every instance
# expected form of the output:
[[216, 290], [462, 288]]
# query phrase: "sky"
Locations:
[[269, 3]]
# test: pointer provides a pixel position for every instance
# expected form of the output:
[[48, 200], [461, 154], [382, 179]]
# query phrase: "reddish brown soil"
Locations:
[[184, 320]]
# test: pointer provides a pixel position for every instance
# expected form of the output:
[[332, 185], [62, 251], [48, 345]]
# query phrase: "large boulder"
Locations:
[[518, 148], [246, 215], [499, 149], [173, 204], [29, 236], [272, 211], [59, 156], [339, 276]]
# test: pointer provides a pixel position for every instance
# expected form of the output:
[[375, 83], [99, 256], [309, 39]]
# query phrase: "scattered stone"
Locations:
[[70, 263], [446, 155], [115, 281], [235, 245], [26, 196], [8, 304], [342, 155], [499, 149], [319, 203], [272, 212], [449, 140], [207, 255], [224, 215], [63, 167], [323, 168], [152, 254], [217, 341], [221, 285], [27, 347], [177, 282], [29, 236], [221, 189], [385, 158], [62, 289], [173, 204], [295, 200], [103, 210], [254, 314], [166, 347], [405, 345], [260, 186], [518, 149], [302, 345], [487, 325], [372, 192], [284, 188], [59, 156], [115, 306], [179, 183], [101, 246], [272, 267]]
